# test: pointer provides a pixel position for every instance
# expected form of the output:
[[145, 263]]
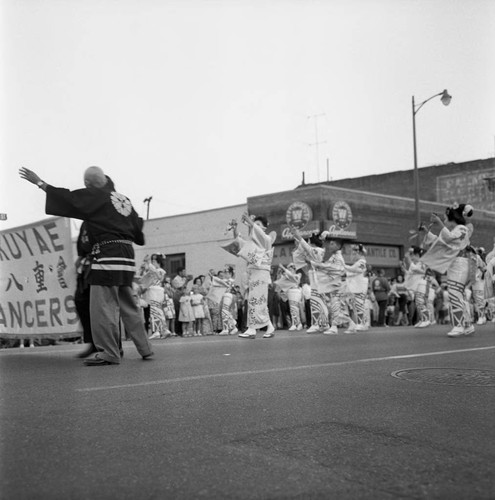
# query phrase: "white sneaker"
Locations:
[[156, 335], [333, 330], [361, 328], [424, 324], [224, 332], [270, 330], [469, 330], [351, 328], [292, 328], [457, 331], [268, 335], [481, 320], [313, 329], [299, 327], [250, 333], [233, 331]]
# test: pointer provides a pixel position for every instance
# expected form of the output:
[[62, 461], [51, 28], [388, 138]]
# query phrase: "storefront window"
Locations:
[[174, 262]]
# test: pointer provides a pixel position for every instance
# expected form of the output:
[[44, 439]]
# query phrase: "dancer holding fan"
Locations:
[[289, 283], [357, 283], [257, 251], [450, 252]]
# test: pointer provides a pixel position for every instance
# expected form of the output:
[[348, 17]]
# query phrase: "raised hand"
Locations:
[[295, 232], [247, 219], [29, 175], [435, 219]]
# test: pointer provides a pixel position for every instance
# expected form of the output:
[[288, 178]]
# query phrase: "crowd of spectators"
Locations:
[[188, 308]]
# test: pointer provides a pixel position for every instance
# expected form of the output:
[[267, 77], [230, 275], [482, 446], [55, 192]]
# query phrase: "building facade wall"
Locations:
[[198, 235], [441, 183], [381, 222]]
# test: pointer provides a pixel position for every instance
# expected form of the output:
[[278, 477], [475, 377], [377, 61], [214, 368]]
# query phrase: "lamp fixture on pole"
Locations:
[[148, 201], [445, 97]]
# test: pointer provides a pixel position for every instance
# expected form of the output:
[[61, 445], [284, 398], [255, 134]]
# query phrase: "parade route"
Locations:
[[389, 413]]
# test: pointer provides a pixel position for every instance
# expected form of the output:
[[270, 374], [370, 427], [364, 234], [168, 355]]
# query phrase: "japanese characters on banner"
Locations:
[[38, 281]]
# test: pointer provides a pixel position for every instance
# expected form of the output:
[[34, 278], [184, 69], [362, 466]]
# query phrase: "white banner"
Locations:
[[38, 281]]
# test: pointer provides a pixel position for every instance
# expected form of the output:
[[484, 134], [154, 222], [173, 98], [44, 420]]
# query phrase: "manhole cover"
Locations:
[[448, 376]]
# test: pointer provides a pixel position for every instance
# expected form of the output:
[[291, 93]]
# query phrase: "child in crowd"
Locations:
[[168, 305], [198, 310], [390, 313], [186, 314]]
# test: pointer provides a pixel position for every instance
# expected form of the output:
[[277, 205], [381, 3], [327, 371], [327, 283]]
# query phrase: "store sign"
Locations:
[[309, 230], [282, 254], [341, 214], [349, 233], [298, 215], [377, 255], [341, 225]]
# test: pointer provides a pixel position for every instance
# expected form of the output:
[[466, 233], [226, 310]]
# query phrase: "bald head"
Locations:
[[94, 177]]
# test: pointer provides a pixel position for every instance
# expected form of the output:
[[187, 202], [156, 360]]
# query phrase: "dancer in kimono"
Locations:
[[154, 295], [228, 306], [218, 287], [417, 284], [328, 279], [300, 256], [489, 284], [257, 251], [478, 287], [289, 283], [432, 286], [450, 252], [357, 283]]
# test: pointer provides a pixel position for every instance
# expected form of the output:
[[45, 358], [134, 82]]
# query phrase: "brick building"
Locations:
[[472, 181], [377, 210]]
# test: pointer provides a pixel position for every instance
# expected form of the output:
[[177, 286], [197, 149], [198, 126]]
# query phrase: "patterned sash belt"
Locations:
[[96, 247]]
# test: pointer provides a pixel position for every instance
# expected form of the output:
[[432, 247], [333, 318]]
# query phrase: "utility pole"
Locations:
[[316, 144], [148, 201]]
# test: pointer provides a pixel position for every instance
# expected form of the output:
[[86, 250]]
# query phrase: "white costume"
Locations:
[[357, 284], [478, 287], [257, 251], [447, 254], [289, 283], [416, 282], [326, 280]]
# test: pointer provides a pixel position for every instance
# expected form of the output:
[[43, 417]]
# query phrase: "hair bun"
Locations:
[[467, 211]]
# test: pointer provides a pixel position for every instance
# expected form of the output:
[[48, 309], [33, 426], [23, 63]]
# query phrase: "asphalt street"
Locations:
[[393, 413]]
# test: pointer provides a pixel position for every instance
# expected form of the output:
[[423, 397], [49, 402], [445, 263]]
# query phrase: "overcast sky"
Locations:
[[201, 104]]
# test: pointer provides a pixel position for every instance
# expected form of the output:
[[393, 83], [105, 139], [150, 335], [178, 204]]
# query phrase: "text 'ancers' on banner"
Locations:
[[38, 281]]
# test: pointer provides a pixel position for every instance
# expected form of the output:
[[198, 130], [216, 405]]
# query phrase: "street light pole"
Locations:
[[148, 201], [416, 173], [445, 98]]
